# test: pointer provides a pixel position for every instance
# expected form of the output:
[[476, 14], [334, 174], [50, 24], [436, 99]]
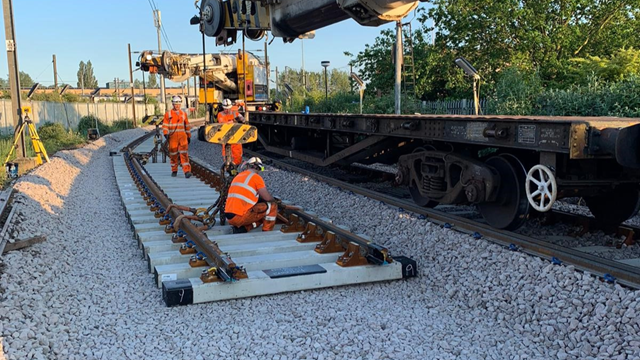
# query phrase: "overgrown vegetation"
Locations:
[[92, 122]]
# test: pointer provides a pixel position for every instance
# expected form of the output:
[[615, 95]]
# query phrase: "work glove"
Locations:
[[188, 140]]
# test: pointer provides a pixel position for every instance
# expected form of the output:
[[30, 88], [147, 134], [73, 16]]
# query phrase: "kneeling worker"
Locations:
[[177, 131], [249, 204], [226, 116]]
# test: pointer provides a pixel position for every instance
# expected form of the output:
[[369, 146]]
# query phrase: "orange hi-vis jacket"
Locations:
[[243, 192], [226, 118], [176, 123]]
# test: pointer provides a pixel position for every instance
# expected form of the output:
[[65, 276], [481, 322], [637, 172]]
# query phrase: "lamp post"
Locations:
[[325, 64], [470, 71]]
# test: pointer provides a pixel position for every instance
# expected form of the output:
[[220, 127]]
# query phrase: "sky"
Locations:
[[82, 30]]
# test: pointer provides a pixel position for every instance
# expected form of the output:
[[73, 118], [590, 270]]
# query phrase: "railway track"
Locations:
[[623, 271], [195, 266]]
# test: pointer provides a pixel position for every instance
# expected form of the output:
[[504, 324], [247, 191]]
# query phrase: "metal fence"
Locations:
[[69, 114], [452, 107]]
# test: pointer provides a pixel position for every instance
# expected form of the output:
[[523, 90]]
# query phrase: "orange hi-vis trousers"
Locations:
[[260, 214], [179, 148], [236, 153]]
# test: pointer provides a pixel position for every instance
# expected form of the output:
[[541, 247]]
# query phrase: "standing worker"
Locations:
[[249, 204], [177, 131], [226, 116]]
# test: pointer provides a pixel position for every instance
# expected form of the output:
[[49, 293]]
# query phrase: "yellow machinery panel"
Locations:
[[230, 133]]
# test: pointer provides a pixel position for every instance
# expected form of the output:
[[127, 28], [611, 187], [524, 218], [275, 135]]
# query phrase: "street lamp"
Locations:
[[466, 66], [325, 64]]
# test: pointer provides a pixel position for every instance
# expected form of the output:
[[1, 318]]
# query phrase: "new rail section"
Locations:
[[196, 259]]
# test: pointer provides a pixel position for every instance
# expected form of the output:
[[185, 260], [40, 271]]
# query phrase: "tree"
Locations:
[[621, 65], [137, 84], [537, 35], [25, 80], [86, 78], [4, 84], [153, 81]]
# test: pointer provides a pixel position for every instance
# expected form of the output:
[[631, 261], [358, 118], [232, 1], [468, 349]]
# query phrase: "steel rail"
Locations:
[[622, 273], [227, 268]]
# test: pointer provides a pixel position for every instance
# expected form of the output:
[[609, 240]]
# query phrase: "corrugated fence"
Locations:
[[69, 114]]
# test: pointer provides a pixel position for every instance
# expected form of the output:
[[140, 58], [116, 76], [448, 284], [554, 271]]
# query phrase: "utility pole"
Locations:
[[398, 64], [158, 24], [277, 95], [133, 91], [304, 80], [55, 73], [266, 64], [14, 73], [207, 112]]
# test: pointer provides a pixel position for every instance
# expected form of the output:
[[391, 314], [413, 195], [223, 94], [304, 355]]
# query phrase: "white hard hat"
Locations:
[[226, 104], [176, 100], [254, 163]]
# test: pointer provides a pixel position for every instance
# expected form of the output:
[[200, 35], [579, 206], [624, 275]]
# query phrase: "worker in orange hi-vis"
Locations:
[[239, 106], [177, 131], [249, 204], [226, 116]]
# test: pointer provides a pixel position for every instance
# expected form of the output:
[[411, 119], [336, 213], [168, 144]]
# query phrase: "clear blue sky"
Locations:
[[81, 30]]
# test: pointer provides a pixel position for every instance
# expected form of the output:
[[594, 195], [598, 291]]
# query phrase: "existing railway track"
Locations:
[[193, 264], [625, 272]]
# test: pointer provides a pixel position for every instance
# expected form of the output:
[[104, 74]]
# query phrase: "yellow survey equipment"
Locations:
[[38, 146]]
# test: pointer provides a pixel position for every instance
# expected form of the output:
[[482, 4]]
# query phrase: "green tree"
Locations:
[[4, 84], [137, 84], [25, 80], [86, 78], [621, 65], [152, 83], [541, 34]]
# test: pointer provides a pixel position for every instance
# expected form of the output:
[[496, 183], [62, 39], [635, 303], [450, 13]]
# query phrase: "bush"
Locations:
[[122, 124], [89, 122], [55, 137], [515, 93]]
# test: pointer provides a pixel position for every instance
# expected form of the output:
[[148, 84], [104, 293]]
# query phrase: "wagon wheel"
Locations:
[[614, 207], [511, 208]]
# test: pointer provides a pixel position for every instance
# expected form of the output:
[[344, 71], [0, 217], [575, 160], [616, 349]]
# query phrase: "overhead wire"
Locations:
[[165, 36]]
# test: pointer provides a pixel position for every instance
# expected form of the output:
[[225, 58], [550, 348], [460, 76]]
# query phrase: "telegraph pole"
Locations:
[[266, 64], [158, 23], [55, 73], [14, 73], [398, 64], [133, 91], [277, 96]]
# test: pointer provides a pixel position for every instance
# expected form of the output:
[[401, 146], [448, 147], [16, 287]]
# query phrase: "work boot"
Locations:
[[188, 174], [238, 230], [174, 173]]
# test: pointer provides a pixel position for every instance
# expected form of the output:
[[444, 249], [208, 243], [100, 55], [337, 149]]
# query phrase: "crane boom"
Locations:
[[223, 73], [291, 19]]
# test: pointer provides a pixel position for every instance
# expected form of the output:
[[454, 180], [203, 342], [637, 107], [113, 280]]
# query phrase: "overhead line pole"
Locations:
[[14, 73], [398, 65], [133, 93], [55, 73], [158, 26]]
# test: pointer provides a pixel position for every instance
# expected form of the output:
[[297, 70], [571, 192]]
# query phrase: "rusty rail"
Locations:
[[226, 268]]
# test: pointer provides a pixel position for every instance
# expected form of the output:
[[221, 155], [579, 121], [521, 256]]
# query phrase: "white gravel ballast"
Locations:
[[85, 293]]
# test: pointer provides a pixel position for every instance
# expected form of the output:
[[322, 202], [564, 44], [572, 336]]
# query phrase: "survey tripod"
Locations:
[[38, 146]]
